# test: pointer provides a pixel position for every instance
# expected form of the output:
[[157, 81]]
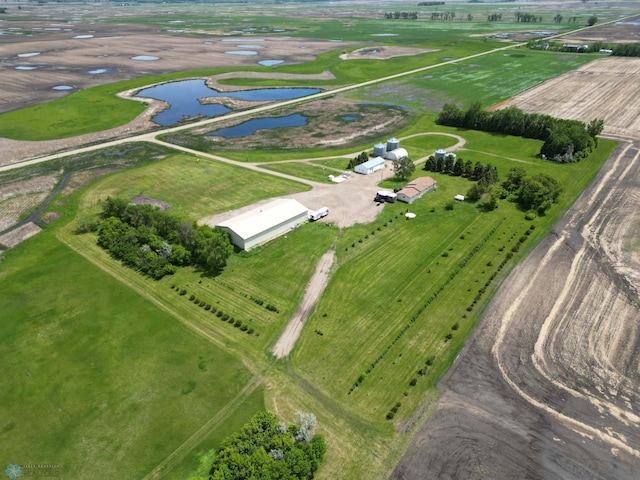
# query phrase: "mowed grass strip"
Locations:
[[117, 383], [193, 187], [305, 170]]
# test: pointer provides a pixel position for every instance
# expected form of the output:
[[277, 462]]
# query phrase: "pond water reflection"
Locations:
[[183, 98], [252, 126]]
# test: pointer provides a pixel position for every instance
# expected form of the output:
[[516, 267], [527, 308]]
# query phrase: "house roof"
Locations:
[[374, 162], [260, 219], [417, 186]]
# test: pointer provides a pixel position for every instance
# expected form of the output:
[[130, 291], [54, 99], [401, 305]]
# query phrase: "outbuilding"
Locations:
[[265, 223], [396, 154], [416, 189], [370, 166]]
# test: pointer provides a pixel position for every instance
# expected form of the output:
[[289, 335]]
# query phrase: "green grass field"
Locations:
[[123, 371], [193, 187], [97, 387]]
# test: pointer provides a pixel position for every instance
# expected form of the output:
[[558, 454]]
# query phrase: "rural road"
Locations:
[[316, 286], [146, 137]]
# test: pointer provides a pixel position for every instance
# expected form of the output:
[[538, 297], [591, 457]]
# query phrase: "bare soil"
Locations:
[[19, 235], [382, 52], [65, 60], [549, 386], [625, 31], [608, 88]]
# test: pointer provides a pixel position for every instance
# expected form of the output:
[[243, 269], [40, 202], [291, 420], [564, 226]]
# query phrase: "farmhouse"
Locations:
[[265, 223], [416, 189], [370, 166]]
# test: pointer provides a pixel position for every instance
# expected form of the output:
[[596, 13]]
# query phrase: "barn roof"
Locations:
[[374, 162], [260, 219], [417, 186]]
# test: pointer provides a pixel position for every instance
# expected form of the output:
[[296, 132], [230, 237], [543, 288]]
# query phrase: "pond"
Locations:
[[183, 98], [146, 58], [241, 52], [270, 63], [252, 126]]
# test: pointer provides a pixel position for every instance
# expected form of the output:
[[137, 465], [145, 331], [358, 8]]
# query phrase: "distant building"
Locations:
[[370, 166], [265, 223], [416, 189]]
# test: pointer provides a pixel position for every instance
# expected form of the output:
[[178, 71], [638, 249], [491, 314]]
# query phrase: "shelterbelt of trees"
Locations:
[[565, 141], [155, 242], [268, 449]]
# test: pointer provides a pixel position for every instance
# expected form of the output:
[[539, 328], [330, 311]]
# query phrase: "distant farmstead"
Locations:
[[370, 166], [416, 189], [265, 223]]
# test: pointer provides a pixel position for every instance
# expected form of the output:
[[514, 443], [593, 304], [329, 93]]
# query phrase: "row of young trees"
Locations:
[[564, 140], [155, 242], [401, 15], [486, 174], [266, 449]]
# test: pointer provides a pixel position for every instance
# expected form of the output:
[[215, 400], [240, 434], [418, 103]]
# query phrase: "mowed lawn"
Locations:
[[193, 187], [402, 286], [97, 379]]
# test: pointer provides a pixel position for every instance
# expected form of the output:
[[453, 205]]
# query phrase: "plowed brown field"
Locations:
[[608, 88], [549, 387]]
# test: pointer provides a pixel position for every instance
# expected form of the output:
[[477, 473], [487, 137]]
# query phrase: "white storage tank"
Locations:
[[392, 144]]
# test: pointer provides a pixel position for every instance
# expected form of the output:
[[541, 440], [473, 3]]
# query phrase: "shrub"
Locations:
[[213, 309], [173, 286], [532, 227], [530, 216], [448, 337], [390, 415], [455, 326], [445, 254], [183, 292], [430, 360], [515, 248], [237, 323], [219, 314], [413, 382], [225, 316], [207, 306], [250, 331], [244, 328]]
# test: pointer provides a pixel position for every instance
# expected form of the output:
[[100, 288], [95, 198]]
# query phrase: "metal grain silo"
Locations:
[[379, 149], [392, 144]]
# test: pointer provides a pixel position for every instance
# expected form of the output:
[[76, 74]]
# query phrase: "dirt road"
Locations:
[[549, 386], [316, 286]]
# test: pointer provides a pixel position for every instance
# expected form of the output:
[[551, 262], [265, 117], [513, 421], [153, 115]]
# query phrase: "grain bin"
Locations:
[[392, 144], [379, 149]]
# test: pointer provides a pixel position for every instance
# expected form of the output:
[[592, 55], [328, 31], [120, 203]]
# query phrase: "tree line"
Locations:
[[564, 140], [401, 15], [266, 449], [155, 242]]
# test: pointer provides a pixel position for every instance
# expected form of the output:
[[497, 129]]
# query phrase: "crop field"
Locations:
[[138, 378], [609, 86]]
